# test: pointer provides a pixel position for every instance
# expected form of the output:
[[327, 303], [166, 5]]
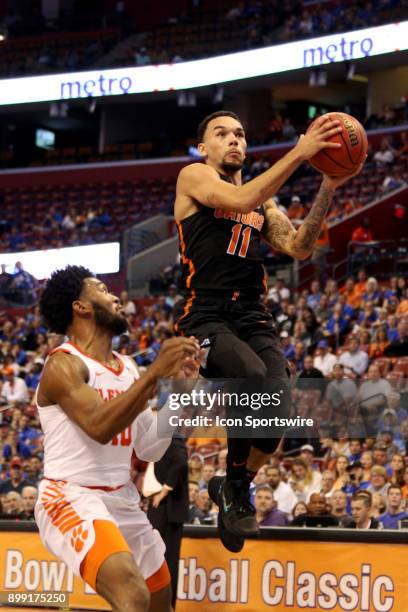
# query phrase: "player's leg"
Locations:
[[110, 569], [120, 582], [160, 597], [146, 545], [94, 549], [228, 358], [232, 358], [266, 345], [171, 534]]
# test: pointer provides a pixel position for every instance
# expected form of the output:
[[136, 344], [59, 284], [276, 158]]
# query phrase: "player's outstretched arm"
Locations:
[[64, 383], [201, 182], [279, 232]]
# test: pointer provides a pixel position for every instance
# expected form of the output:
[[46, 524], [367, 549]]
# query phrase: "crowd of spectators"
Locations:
[[192, 34], [68, 217], [385, 169], [250, 24], [336, 340], [17, 286]]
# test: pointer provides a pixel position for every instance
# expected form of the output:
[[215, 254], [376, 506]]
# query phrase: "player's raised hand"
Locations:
[[173, 355], [318, 137], [332, 182]]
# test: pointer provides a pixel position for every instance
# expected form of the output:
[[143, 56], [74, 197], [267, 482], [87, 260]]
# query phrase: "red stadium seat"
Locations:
[[384, 363], [401, 366]]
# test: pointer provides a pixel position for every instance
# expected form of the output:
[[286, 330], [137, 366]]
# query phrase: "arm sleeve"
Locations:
[[147, 443]]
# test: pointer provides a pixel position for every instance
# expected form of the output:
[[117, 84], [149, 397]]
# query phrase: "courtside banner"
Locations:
[[288, 575], [26, 566], [266, 575], [341, 47]]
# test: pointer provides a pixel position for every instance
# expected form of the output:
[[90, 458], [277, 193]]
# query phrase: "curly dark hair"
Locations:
[[61, 290], [204, 123]]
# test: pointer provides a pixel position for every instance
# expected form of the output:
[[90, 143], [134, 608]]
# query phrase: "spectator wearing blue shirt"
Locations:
[[392, 330], [287, 346], [14, 447], [299, 356], [22, 279], [337, 324], [392, 291], [19, 354], [346, 310], [394, 403], [16, 240], [355, 450], [388, 422], [368, 315], [356, 484], [394, 514], [32, 380], [373, 294], [314, 296], [27, 434]]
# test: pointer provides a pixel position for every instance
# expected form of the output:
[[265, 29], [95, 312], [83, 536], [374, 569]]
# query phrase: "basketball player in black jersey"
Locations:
[[221, 223]]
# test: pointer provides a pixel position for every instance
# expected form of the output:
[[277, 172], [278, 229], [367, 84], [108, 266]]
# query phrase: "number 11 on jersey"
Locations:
[[236, 235]]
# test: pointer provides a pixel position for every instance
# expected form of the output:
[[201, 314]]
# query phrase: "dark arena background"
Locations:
[[99, 107]]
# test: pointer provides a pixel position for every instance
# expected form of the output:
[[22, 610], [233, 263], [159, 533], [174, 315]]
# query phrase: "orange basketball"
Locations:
[[344, 161]]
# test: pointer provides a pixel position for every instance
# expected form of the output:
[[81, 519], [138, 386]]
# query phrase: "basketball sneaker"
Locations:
[[237, 512], [231, 541]]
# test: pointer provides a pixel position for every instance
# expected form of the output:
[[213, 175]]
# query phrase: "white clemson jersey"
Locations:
[[71, 455]]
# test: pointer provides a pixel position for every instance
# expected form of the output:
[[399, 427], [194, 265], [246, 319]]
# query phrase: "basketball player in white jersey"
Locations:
[[92, 407]]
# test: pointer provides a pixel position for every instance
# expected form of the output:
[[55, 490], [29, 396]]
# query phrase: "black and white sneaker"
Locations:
[[237, 512], [231, 541]]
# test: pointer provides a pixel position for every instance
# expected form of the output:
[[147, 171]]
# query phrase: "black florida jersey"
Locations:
[[221, 253]]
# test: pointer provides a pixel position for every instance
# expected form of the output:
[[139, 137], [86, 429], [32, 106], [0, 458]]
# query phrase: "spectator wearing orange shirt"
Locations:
[[362, 233], [360, 286], [403, 305], [380, 343], [320, 251], [353, 297], [296, 211]]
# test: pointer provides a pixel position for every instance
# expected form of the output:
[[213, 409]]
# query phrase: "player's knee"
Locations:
[[256, 370], [132, 594], [139, 594], [120, 582]]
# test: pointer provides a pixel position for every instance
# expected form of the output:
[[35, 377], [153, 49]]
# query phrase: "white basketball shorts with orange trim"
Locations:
[[65, 513]]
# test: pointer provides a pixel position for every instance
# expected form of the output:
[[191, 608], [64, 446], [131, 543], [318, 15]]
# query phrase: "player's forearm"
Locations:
[[305, 238], [260, 189], [115, 415]]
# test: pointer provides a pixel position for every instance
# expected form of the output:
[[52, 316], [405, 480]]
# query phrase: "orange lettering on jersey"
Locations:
[[253, 219], [59, 509]]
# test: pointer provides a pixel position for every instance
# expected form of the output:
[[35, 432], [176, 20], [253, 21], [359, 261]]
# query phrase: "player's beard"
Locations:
[[114, 323], [230, 166]]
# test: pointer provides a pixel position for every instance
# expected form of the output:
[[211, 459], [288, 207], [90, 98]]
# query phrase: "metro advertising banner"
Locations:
[[348, 46], [266, 575]]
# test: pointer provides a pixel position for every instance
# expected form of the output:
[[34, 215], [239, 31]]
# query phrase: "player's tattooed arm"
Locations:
[[281, 235]]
